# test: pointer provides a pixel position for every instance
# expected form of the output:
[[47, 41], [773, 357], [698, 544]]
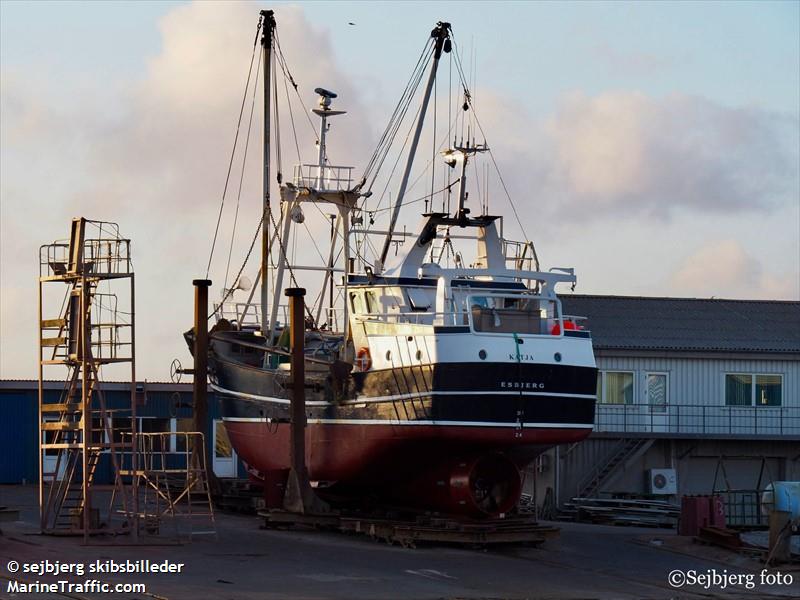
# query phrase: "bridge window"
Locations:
[[513, 314], [418, 299]]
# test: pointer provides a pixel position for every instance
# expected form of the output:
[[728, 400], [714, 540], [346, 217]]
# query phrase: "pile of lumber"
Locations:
[[612, 511]]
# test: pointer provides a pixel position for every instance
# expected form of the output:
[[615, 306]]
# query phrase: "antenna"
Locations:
[[323, 112]]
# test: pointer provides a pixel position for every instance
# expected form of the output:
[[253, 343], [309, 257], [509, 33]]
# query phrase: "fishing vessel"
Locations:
[[438, 363]]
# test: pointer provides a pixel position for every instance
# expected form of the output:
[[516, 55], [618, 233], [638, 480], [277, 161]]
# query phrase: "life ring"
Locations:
[[568, 324], [363, 359]]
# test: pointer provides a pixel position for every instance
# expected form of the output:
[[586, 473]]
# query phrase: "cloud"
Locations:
[[724, 269], [625, 153], [151, 155]]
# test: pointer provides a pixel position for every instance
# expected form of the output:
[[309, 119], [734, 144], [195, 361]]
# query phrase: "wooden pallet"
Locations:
[[422, 530]]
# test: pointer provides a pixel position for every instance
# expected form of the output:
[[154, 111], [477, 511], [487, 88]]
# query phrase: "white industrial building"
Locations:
[[694, 396]]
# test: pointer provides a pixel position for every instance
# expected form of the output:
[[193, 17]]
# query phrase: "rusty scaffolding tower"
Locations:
[[83, 330]]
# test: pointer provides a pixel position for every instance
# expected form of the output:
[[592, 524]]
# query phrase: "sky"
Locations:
[[654, 147]]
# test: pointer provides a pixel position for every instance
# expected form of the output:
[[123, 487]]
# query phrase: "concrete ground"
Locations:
[[245, 562]]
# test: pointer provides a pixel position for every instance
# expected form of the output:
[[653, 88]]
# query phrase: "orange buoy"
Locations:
[[568, 324]]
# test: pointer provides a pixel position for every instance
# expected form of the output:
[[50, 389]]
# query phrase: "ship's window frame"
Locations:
[[418, 300], [357, 303], [371, 301], [500, 301]]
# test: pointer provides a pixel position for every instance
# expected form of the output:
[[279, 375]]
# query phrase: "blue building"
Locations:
[[160, 407]]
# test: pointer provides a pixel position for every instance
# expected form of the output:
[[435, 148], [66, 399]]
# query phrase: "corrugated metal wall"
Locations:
[[19, 424], [695, 461]]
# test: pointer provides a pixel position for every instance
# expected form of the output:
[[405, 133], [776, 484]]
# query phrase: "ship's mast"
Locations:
[[266, 44], [441, 37]]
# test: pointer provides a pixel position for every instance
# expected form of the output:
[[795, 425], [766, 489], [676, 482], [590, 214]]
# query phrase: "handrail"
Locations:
[[271, 350], [697, 419]]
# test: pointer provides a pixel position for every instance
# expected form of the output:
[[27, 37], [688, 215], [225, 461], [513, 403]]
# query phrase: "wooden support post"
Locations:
[[200, 379], [299, 497]]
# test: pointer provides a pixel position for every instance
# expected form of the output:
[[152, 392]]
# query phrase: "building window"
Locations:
[[615, 387], [181, 425], [746, 389], [156, 425]]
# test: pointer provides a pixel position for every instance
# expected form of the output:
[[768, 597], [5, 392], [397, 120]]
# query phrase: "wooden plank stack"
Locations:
[[613, 511]]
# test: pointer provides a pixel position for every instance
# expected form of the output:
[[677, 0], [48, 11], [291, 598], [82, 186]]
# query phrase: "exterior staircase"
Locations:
[[624, 453], [78, 429]]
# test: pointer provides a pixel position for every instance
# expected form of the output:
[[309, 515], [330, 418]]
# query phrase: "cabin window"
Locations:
[[513, 314], [372, 302], [748, 389], [615, 387], [419, 300], [356, 303]]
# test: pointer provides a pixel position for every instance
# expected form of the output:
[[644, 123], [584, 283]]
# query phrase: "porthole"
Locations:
[[482, 354], [557, 356], [419, 354], [388, 355]]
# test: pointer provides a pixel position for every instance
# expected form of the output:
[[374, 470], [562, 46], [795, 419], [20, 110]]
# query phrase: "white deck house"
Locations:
[[709, 389]]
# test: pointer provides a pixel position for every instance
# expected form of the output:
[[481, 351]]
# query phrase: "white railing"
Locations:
[[413, 318], [330, 177], [459, 318], [248, 315]]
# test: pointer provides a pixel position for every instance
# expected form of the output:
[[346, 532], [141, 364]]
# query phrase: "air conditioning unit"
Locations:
[[662, 481]]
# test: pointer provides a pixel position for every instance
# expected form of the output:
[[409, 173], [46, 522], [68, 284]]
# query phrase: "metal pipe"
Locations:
[[283, 260], [299, 496], [134, 424], [333, 219], [439, 34], [266, 43], [200, 371], [297, 333], [323, 129], [86, 404], [330, 270]]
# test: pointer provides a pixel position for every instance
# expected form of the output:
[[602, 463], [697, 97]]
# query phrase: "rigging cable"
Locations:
[[387, 137], [420, 199], [281, 61], [241, 175], [286, 260], [233, 150], [241, 269], [468, 100], [277, 119]]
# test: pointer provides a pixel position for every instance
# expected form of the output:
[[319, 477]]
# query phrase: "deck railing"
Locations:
[[333, 177], [698, 419]]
